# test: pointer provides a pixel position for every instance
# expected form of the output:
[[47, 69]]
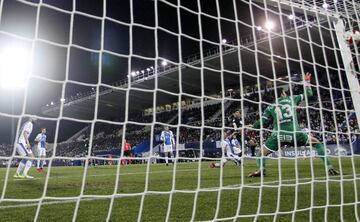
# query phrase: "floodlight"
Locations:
[[62, 100], [224, 41], [14, 67], [259, 28], [325, 6], [291, 16], [269, 25], [148, 69], [51, 103], [164, 63]]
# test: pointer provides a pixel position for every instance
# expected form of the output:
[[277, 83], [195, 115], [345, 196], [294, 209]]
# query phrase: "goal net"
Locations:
[[171, 110]]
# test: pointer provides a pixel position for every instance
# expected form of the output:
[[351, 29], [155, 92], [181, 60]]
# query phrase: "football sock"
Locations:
[[321, 152], [27, 167], [21, 166]]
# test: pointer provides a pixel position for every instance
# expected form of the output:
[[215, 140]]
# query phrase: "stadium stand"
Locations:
[[108, 137]]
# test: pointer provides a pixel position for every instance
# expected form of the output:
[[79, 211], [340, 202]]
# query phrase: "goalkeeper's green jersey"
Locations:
[[283, 114]]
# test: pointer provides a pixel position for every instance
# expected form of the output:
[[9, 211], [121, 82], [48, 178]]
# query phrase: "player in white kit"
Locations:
[[23, 148], [230, 150], [41, 149], [167, 137]]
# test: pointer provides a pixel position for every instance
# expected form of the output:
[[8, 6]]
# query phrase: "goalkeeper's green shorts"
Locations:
[[276, 139]]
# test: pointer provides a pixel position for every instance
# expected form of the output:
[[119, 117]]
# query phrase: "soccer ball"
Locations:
[[352, 36]]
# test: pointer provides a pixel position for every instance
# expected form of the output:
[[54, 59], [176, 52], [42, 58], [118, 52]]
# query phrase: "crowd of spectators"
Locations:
[[334, 123]]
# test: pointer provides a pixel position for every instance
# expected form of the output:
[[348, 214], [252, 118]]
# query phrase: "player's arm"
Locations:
[[172, 139], [308, 90], [266, 117], [37, 139], [162, 136], [26, 136], [234, 124]]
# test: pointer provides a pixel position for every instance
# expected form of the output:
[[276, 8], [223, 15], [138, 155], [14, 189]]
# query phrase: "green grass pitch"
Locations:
[[278, 197]]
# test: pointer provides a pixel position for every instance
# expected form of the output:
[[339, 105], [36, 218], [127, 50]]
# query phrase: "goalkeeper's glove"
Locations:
[[307, 78]]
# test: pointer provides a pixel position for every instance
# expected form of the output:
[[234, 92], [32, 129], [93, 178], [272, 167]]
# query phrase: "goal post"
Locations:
[[348, 61], [125, 73]]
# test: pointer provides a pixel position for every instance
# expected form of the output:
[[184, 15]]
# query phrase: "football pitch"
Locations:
[[307, 190]]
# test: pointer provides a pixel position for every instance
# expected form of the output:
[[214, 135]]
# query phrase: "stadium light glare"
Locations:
[[133, 73], [164, 63], [142, 71], [152, 67], [224, 41], [148, 69], [14, 67], [259, 28], [62, 100], [51, 103], [269, 25], [137, 73], [325, 6], [291, 16]]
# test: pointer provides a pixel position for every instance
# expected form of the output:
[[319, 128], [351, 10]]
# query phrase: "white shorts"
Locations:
[[168, 148], [41, 151], [237, 150], [22, 150]]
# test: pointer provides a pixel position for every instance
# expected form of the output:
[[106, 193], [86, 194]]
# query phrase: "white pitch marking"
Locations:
[[203, 189]]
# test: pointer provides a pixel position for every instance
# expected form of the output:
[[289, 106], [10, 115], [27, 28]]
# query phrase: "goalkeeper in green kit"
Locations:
[[286, 127]]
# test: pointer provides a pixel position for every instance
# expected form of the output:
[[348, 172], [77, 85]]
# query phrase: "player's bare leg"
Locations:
[[260, 162], [319, 147]]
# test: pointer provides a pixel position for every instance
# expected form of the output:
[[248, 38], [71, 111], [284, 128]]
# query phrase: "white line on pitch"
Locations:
[[103, 175], [258, 184]]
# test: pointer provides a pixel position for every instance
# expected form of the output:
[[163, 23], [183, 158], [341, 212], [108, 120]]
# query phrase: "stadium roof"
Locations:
[[112, 100]]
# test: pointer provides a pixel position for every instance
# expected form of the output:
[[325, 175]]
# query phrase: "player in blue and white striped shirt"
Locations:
[[167, 137], [41, 149]]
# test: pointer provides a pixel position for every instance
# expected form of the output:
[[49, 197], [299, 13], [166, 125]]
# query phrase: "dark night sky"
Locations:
[[50, 61]]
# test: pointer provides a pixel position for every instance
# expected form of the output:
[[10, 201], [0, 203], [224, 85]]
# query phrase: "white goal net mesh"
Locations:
[[105, 78]]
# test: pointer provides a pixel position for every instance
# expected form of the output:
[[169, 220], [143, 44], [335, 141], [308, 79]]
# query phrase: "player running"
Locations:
[[230, 150], [23, 148], [167, 137], [285, 127], [41, 149]]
